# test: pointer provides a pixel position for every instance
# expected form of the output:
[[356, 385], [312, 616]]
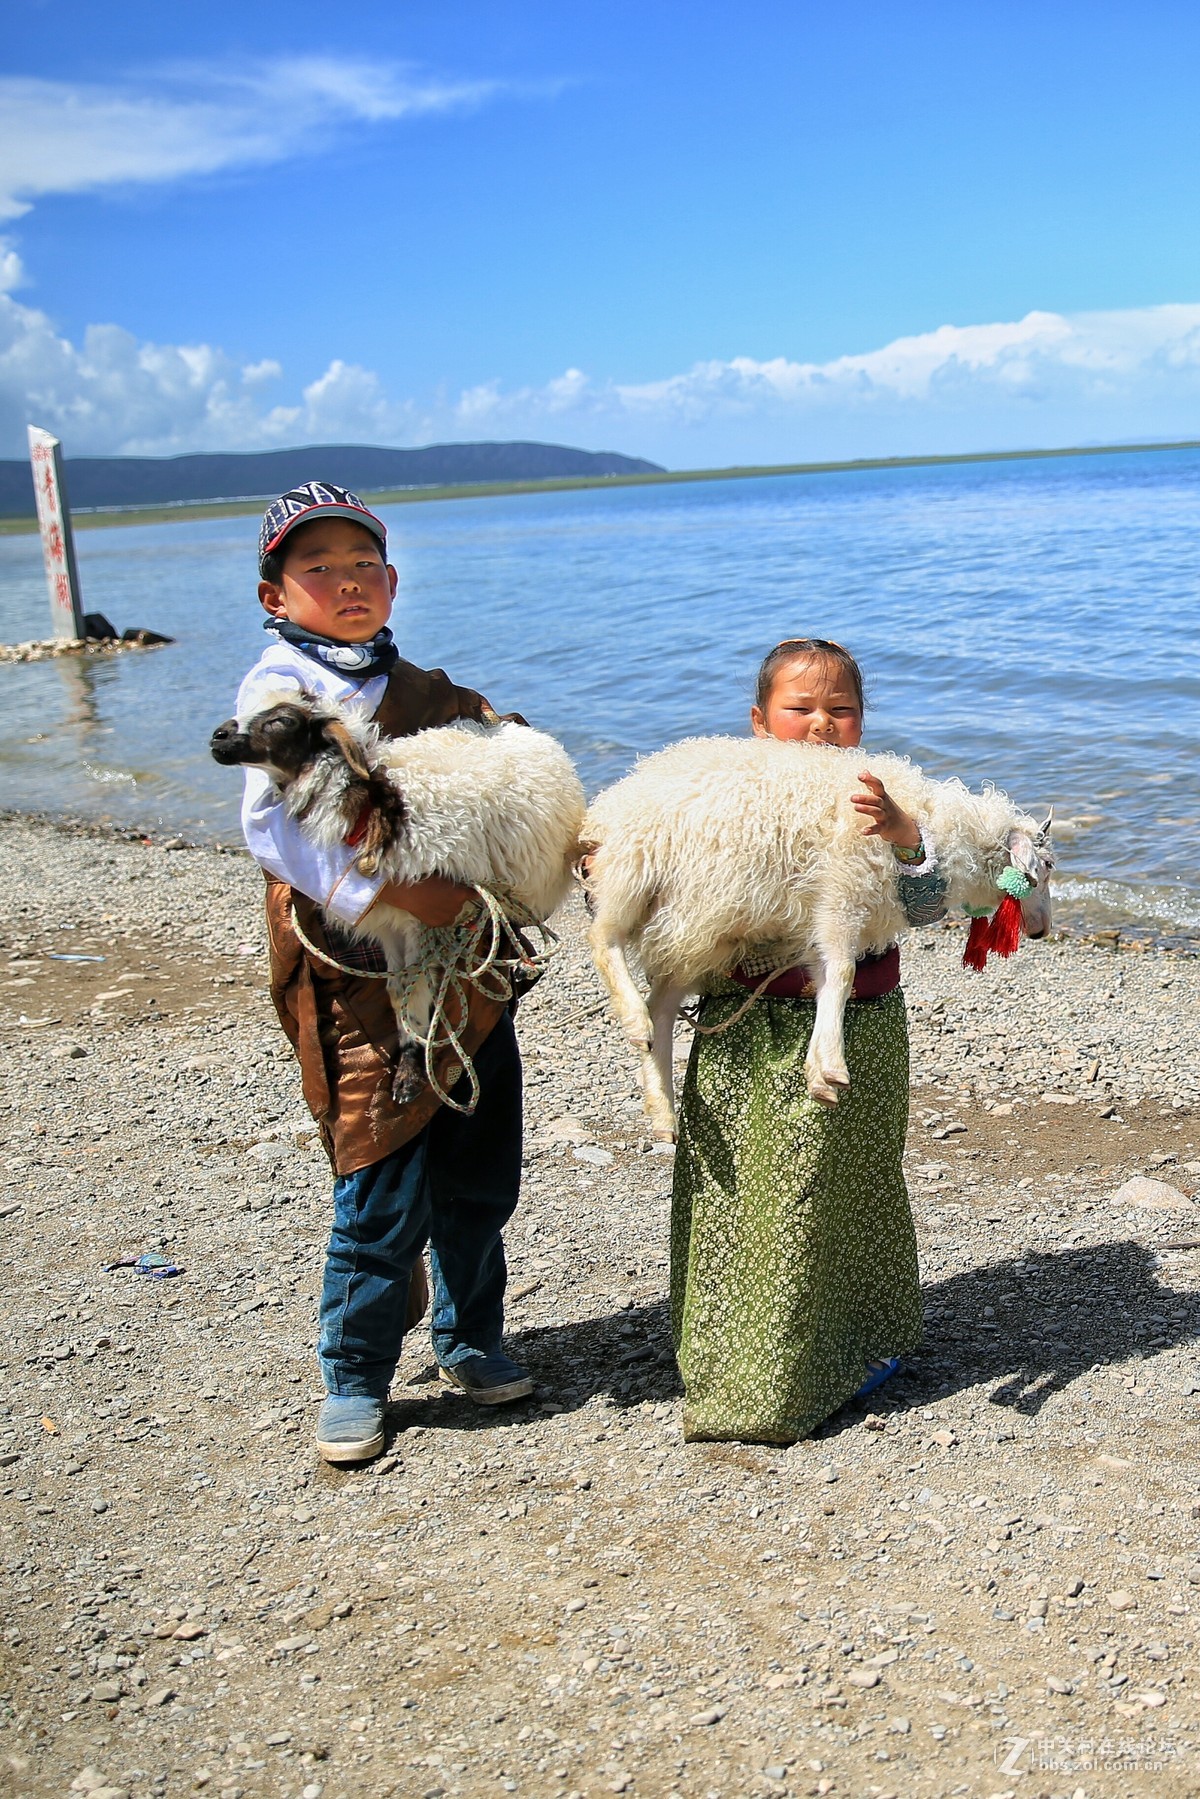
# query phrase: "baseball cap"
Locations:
[[315, 499]]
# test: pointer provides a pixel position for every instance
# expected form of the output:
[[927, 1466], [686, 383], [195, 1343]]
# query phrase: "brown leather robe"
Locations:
[[341, 1026]]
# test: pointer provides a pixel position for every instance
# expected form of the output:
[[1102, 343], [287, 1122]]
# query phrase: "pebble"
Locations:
[[1151, 1195], [1122, 1601], [596, 1158], [566, 1130]]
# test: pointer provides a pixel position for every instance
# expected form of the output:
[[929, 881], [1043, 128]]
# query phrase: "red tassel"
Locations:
[[998, 935], [975, 954], [1005, 933]]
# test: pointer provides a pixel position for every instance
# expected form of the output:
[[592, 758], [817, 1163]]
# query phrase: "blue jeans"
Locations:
[[454, 1186]]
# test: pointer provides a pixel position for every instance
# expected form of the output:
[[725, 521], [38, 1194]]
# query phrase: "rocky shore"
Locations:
[[985, 1581]]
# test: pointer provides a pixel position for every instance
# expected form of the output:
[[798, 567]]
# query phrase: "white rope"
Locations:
[[361, 974], [715, 1030], [448, 960]]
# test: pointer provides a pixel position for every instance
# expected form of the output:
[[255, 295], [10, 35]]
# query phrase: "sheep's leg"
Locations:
[[658, 1069], [608, 949], [412, 1006], [825, 1070]]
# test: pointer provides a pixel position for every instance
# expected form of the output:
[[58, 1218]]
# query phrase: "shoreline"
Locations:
[[174, 512]]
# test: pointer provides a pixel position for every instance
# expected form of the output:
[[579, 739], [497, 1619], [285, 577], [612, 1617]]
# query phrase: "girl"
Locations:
[[793, 1258]]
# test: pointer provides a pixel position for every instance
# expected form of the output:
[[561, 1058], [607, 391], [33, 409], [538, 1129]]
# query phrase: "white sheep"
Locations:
[[719, 846], [491, 805]]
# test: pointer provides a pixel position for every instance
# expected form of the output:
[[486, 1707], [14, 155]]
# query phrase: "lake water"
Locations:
[[1030, 623]]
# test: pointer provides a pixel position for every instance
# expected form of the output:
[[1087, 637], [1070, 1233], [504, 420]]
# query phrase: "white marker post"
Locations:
[[58, 545]]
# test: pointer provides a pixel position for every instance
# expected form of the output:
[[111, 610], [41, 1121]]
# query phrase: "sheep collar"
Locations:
[[1001, 933], [358, 829]]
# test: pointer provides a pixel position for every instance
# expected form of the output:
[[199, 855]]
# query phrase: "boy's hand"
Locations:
[[887, 819], [435, 900]]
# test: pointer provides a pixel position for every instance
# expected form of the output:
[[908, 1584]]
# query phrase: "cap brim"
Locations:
[[355, 514]]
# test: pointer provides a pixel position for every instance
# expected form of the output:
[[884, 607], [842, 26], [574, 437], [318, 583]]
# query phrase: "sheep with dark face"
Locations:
[[493, 806]]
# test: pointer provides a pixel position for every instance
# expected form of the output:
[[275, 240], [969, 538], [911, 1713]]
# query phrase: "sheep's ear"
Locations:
[[377, 839], [1024, 855], [1043, 836], [348, 747]]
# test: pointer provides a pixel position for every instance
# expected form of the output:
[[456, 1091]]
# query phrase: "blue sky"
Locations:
[[702, 233]]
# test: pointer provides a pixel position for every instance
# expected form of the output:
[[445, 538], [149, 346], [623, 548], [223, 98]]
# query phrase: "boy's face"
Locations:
[[335, 581]]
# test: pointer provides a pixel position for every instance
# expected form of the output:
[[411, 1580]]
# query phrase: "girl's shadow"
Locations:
[[1056, 1316]]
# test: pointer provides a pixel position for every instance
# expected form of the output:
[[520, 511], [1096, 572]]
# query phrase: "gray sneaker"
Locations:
[[488, 1379], [350, 1428]]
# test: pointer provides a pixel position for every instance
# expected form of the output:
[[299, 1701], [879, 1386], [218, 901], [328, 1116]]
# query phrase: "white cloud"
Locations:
[[1042, 380], [12, 272], [257, 374], [114, 395], [59, 137]]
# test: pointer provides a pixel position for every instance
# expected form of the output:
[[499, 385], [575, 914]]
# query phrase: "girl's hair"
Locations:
[[807, 649]]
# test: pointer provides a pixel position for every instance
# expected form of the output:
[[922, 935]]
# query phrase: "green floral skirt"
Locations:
[[793, 1257]]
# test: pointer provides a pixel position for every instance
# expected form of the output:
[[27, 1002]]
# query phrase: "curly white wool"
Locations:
[[719, 846], [496, 806]]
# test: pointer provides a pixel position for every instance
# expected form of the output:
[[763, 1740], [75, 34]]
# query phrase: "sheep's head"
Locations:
[[285, 739], [1030, 854], [323, 767]]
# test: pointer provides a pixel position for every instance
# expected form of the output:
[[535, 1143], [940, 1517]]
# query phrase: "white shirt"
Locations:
[[277, 842]]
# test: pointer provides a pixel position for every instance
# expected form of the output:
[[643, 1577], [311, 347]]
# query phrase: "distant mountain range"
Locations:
[[159, 481]]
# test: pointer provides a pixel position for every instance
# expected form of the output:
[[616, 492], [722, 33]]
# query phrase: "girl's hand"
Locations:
[[887, 819]]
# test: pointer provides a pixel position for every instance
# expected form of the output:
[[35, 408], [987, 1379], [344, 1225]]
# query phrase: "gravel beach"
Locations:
[[984, 1581]]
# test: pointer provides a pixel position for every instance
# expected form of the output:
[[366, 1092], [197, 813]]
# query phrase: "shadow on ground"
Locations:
[[1057, 1317]]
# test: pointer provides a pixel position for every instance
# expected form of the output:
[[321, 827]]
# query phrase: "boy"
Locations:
[[407, 1173]]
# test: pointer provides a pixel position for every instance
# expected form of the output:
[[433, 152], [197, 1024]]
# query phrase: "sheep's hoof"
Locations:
[[662, 1136], [408, 1078], [827, 1089]]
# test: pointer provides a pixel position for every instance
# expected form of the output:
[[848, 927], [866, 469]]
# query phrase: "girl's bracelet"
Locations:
[[903, 855]]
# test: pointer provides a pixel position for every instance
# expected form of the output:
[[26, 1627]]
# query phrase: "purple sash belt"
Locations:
[[873, 977]]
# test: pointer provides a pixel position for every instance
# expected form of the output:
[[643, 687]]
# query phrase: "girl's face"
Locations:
[[812, 701]]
